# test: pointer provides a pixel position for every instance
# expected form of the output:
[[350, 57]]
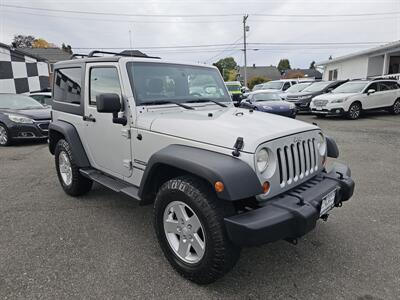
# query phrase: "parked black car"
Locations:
[[269, 102], [302, 99], [22, 117]]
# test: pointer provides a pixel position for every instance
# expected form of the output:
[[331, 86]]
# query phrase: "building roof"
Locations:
[[269, 72], [309, 73], [52, 55], [381, 48], [18, 52]]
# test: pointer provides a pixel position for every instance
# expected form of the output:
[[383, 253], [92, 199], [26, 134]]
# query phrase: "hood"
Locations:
[[274, 104], [35, 114], [223, 127], [334, 96]]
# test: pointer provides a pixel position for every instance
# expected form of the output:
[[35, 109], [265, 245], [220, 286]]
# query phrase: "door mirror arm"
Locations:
[[119, 120]]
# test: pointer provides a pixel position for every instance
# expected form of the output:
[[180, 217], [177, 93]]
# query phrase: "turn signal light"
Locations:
[[266, 187], [219, 186]]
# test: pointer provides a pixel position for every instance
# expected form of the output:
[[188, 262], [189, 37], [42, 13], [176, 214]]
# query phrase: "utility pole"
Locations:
[[245, 29]]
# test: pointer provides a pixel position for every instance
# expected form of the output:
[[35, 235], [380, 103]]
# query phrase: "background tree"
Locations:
[[283, 65], [225, 65], [256, 80], [40, 43], [23, 41], [312, 65], [66, 48]]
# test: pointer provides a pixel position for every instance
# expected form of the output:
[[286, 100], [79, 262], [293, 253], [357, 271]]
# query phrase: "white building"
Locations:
[[381, 61]]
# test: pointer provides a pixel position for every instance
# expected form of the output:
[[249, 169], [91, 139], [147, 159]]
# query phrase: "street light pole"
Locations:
[[245, 29]]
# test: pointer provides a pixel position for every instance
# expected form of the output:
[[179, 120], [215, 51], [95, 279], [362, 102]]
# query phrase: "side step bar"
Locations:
[[114, 184]]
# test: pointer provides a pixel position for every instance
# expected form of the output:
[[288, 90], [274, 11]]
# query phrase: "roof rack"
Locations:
[[385, 78], [127, 53], [77, 55]]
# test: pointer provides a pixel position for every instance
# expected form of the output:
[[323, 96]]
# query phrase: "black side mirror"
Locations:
[[110, 103]]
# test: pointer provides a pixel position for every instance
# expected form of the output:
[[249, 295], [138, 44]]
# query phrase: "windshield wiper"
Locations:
[[207, 100], [166, 102]]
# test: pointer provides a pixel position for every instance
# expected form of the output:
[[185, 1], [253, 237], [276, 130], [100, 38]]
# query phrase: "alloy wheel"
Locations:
[[65, 167], [354, 111], [184, 232], [3, 136], [396, 107]]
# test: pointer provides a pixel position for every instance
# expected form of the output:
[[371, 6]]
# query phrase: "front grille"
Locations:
[[320, 102], [291, 99], [297, 161]]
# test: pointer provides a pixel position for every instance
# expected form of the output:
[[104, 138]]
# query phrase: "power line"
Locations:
[[199, 15]]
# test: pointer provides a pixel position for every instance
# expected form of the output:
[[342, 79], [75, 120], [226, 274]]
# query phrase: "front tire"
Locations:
[[5, 139], [354, 111], [189, 225], [395, 109], [72, 181]]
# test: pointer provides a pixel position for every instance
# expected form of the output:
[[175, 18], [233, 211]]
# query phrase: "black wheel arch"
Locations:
[[239, 179], [64, 130]]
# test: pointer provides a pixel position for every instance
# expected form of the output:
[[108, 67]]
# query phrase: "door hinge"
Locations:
[[126, 133], [127, 163]]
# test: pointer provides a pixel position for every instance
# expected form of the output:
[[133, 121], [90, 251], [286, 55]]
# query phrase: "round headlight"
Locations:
[[321, 144], [262, 160]]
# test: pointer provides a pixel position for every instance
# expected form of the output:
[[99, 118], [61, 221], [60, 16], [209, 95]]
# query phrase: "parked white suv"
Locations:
[[275, 86], [354, 97], [219, 177]]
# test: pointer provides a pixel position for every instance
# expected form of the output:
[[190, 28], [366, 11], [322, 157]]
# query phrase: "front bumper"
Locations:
[[37, 130], [329, 111], [292, 214]]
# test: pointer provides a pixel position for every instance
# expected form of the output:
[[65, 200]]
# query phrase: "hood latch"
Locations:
[[238, 146]]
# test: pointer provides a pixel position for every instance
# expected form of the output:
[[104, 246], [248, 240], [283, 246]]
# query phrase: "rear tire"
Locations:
[[72, 181], [354, 111], [5, 139], [395, 109], [194, 200]]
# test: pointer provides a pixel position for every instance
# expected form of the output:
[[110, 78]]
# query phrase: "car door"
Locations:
[[387, 92], [108, 143], [371, 100]]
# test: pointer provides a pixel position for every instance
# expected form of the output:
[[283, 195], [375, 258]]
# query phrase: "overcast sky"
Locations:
[[112, 31]]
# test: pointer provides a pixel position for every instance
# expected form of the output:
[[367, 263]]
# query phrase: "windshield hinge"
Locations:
[[126, 133]]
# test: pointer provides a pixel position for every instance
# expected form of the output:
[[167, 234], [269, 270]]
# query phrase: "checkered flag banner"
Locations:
[[22, 74]]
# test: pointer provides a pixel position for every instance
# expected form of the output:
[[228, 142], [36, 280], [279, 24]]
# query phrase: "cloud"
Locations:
[[88, 31]]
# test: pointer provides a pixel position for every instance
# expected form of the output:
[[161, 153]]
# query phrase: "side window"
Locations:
[[333, 75], [384, 86], [67, 85], [372, 86], [286, 86], [392, 85], [103, 80]]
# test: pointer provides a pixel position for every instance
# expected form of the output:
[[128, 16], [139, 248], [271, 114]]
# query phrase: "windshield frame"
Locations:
[[297, 85], [181, 99], [35, 103]]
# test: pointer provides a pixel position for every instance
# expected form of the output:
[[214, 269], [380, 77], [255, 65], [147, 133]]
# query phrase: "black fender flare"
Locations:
[[239, 178], [332, 148], [72, 137]]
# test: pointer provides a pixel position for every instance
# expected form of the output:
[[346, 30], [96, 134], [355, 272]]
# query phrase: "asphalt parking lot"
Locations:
[[102, 245]]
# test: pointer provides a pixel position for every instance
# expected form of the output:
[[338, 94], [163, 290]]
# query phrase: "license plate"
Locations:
[[318, 108], [328, 202]]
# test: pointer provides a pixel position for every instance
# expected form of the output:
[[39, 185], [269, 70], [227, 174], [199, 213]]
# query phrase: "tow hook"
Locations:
[[339, 204], [325, 217], [293, 241]]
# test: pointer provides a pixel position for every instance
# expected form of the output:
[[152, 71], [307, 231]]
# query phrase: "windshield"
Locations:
[[11, 101], [350, 87], [233, 87], [266, 97], [273, 85], [317, 86], [297, 87], [161, 82]]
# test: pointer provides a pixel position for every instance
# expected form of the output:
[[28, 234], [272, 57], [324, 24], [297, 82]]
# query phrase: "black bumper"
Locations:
[[293, 214], [329, 112]]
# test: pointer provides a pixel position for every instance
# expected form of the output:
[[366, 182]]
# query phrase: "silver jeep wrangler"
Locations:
[[219, 177]]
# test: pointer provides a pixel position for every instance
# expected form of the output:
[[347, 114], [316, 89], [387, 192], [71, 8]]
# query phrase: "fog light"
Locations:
[[266, 187], [219, 186], [337, 111]]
